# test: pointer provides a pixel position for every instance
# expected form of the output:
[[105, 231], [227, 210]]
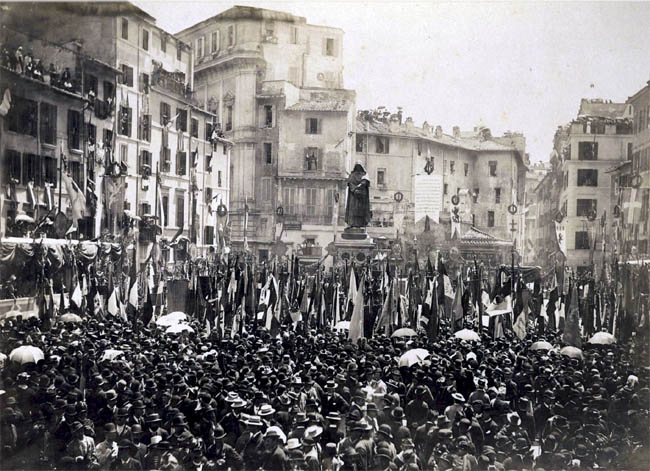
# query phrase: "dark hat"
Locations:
[[219, 432], [397, 413], [125, 444], [110, 428], [153, 418], [386, 431], [76, 426], [179, 421], [122, 412], [136, 429]]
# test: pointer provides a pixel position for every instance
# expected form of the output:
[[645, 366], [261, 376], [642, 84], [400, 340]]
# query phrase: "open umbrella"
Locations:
[[404, 332], [24, 218], [342, 325], [541, 345], [15, 313], [416, 355], [26, 354], [111, 354], [70, 317], [178, 328], [3, 358], [571, 352], [602, 338], [171, 319], [467, 334]]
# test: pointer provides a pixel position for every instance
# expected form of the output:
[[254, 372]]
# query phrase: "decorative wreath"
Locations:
[[512, 209], [222, 210], [428, 168], [559, 217], [455, 200], [279, 211], [398, 196], [115, 170]]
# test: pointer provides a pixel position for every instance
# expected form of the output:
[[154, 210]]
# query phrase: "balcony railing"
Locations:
[[311, 251]]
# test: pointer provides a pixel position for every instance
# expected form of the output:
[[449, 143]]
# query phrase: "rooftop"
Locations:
[[599, 108], [317, 105]]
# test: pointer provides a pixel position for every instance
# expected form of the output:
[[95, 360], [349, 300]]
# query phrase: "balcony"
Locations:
[[302, 214], [311, 251], [173, 82]]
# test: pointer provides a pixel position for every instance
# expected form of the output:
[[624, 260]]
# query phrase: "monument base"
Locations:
[[355, 245]]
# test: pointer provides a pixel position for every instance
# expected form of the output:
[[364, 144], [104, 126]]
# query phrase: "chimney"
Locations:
[[438, 133], [409, 124], [399, 114], [456, 130], [425, 127]]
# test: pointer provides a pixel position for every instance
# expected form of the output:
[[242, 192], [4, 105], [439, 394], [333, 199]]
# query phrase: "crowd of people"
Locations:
[[313, 400]]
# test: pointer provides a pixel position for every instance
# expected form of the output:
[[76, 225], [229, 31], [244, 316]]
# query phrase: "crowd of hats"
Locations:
[[313, 400]]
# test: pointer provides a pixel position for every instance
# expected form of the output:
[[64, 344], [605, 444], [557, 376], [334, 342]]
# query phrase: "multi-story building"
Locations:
[[275, 84], [159, 131], [536, 173], [52, 108], [487, 172], [598, 140]]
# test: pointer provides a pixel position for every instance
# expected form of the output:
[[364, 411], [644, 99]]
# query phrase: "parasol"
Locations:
[[70, 317], [467, 334], [171, 319], [111, 354], [602, 338], [26, 354], [571, 352], [417, 355], [24, 218], [342, 325], [178, 328], [16, 312], [541, 345], [404, 332]]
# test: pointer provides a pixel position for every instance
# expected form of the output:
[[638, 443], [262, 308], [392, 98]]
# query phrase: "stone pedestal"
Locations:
[[355, 245]]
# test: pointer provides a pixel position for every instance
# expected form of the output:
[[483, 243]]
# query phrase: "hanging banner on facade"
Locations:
[[428, 197]]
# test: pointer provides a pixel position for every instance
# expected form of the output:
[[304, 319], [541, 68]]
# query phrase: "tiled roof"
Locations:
[[474, 236], [597, 109], [464, 141], [329, 105]]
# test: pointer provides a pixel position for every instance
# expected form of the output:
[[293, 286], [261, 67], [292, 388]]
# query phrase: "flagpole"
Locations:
[[60, 174]]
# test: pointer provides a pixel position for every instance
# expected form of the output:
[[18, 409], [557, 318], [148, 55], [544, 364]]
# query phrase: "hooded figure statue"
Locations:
[[357, 208]]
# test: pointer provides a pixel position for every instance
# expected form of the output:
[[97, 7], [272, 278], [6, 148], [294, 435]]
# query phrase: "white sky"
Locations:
[[512, 66]]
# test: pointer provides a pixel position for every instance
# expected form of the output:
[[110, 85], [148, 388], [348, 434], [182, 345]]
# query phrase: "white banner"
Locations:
[[428, 197]]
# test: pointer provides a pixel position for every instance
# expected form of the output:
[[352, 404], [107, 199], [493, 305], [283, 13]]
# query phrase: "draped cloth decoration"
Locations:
[[85, 252]]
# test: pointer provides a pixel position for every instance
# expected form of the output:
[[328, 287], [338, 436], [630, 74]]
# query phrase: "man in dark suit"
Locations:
[[275, 458]]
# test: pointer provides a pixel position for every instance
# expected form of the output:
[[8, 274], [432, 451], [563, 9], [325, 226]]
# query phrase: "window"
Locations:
[[108, 137], [124, 127], [452, 167], [163, 45], [109, 90], [181, 163], [312, 159], [624, 128], [268, 153], [144, 83], [74, 130], [361, 143], [490, 219], [268, 116], [48, 123], [32, 170], [165, 113], [329, 203], [312, 126], [466, 168], [492, 164], [311, 201], [215, 41], [475, 194], [289, 200], [124, 152], [195, 128], [582, 240], [381, 176], [91, 133], [587, 177], [180, 211], [145, 208], [294, 35], [229, 118], [329, 47], [145, 39], [144, 166], [179, 50], [208, 235], [181, 121], [166, 160], [90, 84], [231, 35], [587, 151], [23, 116], [584, 207], [200, 42], [593, 127], [630, 152], [382, 145], [145, 127], [76, 173], [219, 184], [207, 163], [127, 75], [12, 164], [497, 195], [125, 28], [50, 173], [445, 188], [266, 190]]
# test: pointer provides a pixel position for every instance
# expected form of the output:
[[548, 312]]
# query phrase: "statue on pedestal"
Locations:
[[357, 208]]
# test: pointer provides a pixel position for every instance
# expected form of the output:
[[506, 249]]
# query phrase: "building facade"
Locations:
[[488, 173], [275, 84], [588, 149], [173, 163], [51, 121]]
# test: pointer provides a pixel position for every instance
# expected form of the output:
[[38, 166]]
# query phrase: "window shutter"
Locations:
[[306, 125], [70, 126], [324, 46], [319, 156], [140, 83], [319, 129], [387, 145], [305, 164]]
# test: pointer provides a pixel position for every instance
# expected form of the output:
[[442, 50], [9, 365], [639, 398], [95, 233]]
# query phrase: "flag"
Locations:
[[147, 309], [77, 201], [77, 297], [457, 306], [352, 293], [245, 227], [133, 304], [553, 298], [560, 234], [571, 328], [113, 298], [5, 106], [383, 323], [336, 306], [160, 208], [31, 195], [357, 320]]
